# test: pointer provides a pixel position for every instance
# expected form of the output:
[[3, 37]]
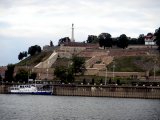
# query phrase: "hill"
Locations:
[[34, 60], [134, 64]]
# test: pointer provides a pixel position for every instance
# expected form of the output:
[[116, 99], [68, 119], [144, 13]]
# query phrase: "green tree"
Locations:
[[70, 76], [141, 40], [101, 81], [92, 39], [61, 73], [110, 81], [22, 75], [51, 44], [34, 50], [123, 41], [33, 75], [118, 81], [78, 64], [84, 81], [0, 77], [92, 81], [105, 40], [133, 41], [22, 55], [63, 40], [157, 39], [9, 73]]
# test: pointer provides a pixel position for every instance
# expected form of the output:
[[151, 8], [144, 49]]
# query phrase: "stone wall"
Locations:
[[3, 89], [121, 74], [92, 61], [91, 71], [107, 91], [100, 66], [64, 54], [72, 49], [48, 63]]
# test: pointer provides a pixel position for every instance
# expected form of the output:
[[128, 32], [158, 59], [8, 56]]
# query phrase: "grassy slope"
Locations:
[[132, 64], [34, 60]]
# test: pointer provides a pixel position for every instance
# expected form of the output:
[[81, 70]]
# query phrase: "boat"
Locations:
[[29, 89]]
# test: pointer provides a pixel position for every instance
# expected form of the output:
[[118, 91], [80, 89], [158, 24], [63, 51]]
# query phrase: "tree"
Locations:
[[34, 50], [92, 81], [33, 75], [92, 39], [78, 64], [101, 81], [141, 40], [0, 77], [70, 76], [105, 40], [123, 41], [22, 55], [110, 81], [51, 44], [61, 73], [9, 73], [133, 41], [157, 39], [22, 75], [84, 81], [63, 40], [118, 81]]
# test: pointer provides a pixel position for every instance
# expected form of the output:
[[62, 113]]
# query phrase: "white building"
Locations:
[[149, 39]]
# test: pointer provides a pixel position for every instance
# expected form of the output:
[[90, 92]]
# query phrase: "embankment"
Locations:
[[4, 89], [108, 91], [147, 92]]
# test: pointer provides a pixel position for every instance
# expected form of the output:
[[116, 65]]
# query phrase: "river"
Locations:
[[37, 107]]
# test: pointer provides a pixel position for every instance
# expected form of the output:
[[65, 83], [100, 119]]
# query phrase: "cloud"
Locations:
[[41, 20]]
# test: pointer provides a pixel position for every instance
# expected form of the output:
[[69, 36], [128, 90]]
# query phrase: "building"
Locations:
[[149, 39]]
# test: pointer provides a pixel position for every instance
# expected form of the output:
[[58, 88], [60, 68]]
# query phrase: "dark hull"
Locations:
[[33, 93]]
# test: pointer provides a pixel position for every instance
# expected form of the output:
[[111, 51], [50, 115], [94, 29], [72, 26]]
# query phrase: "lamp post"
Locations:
[[47, 73], [154, 70], [106, 77], [113, 69]]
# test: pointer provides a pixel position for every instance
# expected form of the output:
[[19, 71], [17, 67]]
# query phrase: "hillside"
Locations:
[[128, 60], [34, 60], [134, 64]]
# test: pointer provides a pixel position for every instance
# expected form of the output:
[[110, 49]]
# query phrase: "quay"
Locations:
[[145, 92]]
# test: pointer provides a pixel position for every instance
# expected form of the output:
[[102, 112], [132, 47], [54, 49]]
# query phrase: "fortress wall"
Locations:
[[121, 74], [92, 61], [48, 63], [99, 66]]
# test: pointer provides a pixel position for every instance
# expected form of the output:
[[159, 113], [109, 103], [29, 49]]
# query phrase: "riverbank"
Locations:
[[148, 92], [145, 92]]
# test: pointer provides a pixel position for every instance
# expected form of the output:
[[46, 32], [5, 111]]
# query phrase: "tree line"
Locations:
[[31, 51], [106, 40], [22, 75], [65, 74]]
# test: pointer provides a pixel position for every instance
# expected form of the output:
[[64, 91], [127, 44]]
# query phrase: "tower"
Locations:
[[72, 38]]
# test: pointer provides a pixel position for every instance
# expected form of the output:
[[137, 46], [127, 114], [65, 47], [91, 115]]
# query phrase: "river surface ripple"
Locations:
[[37, 107]]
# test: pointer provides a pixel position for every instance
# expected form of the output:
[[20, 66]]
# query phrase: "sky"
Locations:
[[24, 23]]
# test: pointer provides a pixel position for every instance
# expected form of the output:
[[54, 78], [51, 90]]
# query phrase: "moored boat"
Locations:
[[29, 89]]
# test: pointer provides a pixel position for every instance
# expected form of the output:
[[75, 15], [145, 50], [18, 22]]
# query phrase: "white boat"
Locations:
[[29, 89]]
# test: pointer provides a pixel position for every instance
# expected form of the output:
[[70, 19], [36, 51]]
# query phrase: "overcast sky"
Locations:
[[24, 23]]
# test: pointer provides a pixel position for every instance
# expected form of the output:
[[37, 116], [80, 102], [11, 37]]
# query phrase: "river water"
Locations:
[[37, 107]]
